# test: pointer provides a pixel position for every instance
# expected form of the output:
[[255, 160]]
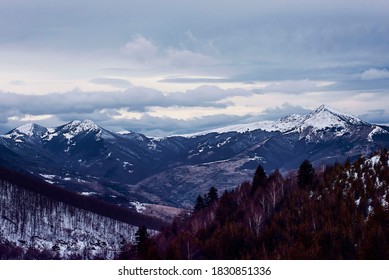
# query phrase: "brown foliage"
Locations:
[[344, 215]]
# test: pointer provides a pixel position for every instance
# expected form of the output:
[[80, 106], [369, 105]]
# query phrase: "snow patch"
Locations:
[[384, 203], [88, 193], [375, 131], [75, 128], [27, 129], [224, 143], [47, 176], [152, 146], [255, 158], [126, 163], [139, 207], [374, 160]]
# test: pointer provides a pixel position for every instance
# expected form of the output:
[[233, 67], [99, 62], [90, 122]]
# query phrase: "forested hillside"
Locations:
[[41, 221], [337, 212]]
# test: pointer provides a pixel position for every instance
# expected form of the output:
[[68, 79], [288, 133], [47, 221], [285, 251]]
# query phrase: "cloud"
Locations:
[[134, 99], [144, 52], [293, 48], [114, 82], [375, 74], [4, 117], [279, 40], [106, 108], [282, 111], [191, 80], [294, 86], [18, 83], [162, 126], [186, 58], [99, 116], [140, 49], [379, 116], [78, 101], [207, 96]]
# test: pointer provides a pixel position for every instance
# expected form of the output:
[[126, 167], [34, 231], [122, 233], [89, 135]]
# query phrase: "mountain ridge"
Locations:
[[293, 119], [125, 167], [289, 122]]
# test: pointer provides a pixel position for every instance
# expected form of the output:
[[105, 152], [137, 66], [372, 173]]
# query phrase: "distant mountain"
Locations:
[[128, 166], [321, 118]]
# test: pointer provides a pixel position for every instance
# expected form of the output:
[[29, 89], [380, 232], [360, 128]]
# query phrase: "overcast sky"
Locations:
[[177, 66]]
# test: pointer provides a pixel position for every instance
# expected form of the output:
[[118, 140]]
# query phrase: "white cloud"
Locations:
[[375, 74], [144, 52], [140, 49], [32, 118], [186, 58]]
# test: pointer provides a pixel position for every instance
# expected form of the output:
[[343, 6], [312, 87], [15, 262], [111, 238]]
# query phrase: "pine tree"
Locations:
[[259, 179], [141, 238], [305, 175], [212, 196], [200, 204]]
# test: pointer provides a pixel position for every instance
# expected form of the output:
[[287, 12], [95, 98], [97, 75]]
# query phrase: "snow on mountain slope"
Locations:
[[24, 132], [321, 118], [27, 129], [77, 128], [69, 131], [376, 131], [87, 158], [325, 117]]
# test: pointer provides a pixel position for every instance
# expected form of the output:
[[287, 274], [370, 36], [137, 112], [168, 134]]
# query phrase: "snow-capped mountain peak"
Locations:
[[325, 116], [25, 131], [77, 127], [86, 127], [318, 119]]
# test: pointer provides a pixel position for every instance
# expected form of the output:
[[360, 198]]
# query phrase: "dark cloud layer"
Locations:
[[136, 99], [162, 126]]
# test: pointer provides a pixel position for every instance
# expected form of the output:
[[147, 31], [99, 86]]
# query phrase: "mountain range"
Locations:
[[127, 166]]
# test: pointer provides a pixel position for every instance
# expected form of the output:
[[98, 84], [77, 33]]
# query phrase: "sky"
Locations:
[[178, 66]]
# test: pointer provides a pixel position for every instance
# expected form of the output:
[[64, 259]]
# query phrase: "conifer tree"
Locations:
[[305, 175], [141, 238], [200, 204], [259, 179], [212, 195]]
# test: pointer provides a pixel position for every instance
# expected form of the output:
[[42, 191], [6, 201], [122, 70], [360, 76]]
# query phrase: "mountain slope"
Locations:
[[127, 166], [342, 212], [323, 136], [39, 221]]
